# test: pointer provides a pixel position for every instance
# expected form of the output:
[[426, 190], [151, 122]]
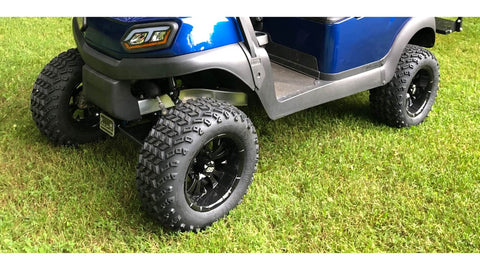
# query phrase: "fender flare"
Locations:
[[411, 28]]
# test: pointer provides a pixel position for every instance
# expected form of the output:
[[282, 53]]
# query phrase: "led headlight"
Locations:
[[149, 37], [137, 39]]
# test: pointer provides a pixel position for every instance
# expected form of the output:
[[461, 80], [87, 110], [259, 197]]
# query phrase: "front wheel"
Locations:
[[408, 98], [58, 105], [196, 164]]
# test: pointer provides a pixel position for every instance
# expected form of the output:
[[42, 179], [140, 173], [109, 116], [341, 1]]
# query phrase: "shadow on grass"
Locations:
[[104, 181], [356, 106], [350, 111], [125, 151]]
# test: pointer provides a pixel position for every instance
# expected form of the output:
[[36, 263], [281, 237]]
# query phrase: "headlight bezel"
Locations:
[[149, 29]]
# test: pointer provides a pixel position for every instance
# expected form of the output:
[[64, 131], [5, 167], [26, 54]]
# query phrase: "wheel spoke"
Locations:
[[423, 81], [190, 185], [220, 152], [203, 157], [207, 197], [195, 187], [226, 172], [215, 177]]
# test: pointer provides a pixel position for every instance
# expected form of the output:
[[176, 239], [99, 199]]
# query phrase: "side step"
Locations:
[[446, 27]]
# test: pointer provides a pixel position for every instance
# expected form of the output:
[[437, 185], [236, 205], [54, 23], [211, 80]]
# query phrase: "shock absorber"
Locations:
[[173, 91]]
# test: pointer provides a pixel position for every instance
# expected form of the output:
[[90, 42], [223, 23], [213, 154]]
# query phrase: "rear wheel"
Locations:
[[196, 164], [408, 98], [58, 105]]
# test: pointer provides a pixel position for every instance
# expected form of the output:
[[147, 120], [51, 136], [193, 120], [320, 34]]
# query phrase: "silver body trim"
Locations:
[[147, 106]]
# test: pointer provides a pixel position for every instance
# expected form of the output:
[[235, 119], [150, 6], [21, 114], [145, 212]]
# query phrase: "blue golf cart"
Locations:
[[173, 86]]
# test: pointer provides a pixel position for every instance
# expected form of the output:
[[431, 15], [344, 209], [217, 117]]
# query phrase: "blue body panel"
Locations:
[[337, 47], [199, 34], [340, 46], [194, 35]]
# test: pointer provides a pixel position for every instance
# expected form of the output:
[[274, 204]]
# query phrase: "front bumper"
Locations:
[[112, 96]]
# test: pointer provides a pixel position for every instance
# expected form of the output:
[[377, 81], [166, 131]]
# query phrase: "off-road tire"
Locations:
[[408, 98], [173, 151], [52, 102]]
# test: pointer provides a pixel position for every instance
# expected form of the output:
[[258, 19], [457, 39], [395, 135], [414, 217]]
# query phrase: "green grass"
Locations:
[[330, 179]]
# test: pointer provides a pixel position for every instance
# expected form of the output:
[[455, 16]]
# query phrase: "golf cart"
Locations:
[[173, 86]]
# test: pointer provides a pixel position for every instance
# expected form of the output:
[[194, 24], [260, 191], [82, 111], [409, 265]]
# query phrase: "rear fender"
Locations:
[[424, 26]]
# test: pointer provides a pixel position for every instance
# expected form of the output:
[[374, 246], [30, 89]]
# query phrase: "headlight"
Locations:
[[82, 23], [147, 37]]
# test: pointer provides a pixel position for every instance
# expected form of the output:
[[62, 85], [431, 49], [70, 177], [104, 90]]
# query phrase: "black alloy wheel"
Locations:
[[213, 174], [419, 91]]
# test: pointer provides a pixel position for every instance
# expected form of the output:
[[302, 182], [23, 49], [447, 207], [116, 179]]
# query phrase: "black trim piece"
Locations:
[[293, 59], [112, 96], [325, 20], [307, 64]]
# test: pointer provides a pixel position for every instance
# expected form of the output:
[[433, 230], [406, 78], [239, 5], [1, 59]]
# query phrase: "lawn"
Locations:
[[329, 179]]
